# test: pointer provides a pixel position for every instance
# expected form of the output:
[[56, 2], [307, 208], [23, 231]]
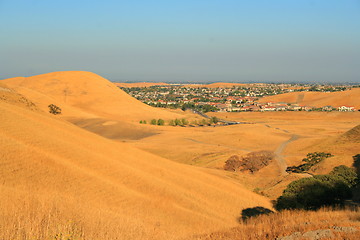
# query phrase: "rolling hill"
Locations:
[[56, 177], [84, 94], [353, 135], [318, 99]]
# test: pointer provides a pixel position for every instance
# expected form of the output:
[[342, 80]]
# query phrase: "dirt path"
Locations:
[[280, 158]]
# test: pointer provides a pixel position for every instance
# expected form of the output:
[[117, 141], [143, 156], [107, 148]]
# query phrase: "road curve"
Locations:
[[280, 158]]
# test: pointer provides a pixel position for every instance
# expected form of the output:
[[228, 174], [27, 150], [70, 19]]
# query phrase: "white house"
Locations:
[[346, 109]]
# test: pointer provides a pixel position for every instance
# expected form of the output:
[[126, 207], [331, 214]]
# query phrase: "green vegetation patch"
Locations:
[[321, 190], [310, 160]]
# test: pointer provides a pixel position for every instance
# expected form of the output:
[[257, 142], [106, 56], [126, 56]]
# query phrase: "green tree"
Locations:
[[171, 122], [153, 122], [184, 122], [348, 175], [215, 120], [160, 122], [321, 190], [177, 122]]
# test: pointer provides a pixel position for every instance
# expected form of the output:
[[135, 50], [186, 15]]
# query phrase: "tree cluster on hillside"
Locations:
[[159, 122], [201, 108], [182, 122], [310, 160], [318, 191], [252, 162]]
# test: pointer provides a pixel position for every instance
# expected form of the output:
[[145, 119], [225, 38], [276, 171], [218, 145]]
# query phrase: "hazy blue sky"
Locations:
[[187, 40]]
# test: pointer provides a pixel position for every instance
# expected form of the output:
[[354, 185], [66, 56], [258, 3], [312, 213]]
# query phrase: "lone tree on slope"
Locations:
[[53, 109]]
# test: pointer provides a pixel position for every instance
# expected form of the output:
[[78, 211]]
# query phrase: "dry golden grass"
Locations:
[[28, 216], [316, 131], [42, 155], [85, 94], [10, 96], [92, 102], [210, 147], [95, 104], [110, 189], [287, 222], [318, 99]]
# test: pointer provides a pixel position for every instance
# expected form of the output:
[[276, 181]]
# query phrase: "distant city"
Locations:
[[243, 98]]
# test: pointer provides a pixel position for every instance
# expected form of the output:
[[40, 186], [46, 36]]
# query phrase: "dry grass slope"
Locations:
[[288, 222], [84, 94], [319, 99], [57, 178], [353, 134]]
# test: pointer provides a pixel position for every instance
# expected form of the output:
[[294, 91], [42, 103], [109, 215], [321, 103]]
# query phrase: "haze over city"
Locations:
[[191, 41]]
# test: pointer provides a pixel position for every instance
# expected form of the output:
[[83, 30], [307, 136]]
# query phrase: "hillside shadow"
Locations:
[[356, 163], [314, 193], [356, 189], [253, 212]]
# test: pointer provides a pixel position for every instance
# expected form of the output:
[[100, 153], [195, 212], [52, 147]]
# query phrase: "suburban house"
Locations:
[[346, 109]]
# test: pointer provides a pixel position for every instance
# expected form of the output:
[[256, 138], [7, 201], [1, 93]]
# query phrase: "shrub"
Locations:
[[233, 163], [348, 175], [318, 191], [153, 122], [184, 122], [160, 122], [252, 162], [310, 160], [356, 163], [171, 123], [214, 120], [53, 109], [177, 122]]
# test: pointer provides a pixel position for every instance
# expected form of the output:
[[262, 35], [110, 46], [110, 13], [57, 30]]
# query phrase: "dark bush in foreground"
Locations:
[[318, 191], [253, 212]]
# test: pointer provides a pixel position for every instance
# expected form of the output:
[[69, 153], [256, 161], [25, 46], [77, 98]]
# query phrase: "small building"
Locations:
[[327, 108], [346, 109], [268, 108]]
